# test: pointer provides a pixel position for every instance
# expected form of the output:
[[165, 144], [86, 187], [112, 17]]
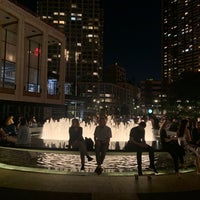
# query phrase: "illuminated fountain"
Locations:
[[55, 133]]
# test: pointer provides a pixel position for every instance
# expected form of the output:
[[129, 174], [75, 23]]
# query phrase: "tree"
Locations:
[[185, 93]]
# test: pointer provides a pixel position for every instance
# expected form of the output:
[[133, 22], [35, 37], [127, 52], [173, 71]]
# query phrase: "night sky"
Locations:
[[132, 36]]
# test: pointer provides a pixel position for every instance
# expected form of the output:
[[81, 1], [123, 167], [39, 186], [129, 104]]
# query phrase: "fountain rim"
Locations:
[[61, 151], [53, 171]]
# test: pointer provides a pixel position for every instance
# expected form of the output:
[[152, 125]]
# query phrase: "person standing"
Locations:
[[76, 140], [102, 135], [138, 144]]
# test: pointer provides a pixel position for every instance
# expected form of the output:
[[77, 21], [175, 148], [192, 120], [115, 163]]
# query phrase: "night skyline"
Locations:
[[135, 29], [132, 37]]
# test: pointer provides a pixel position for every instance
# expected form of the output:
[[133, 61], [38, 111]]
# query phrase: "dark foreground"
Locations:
[[90, 186]]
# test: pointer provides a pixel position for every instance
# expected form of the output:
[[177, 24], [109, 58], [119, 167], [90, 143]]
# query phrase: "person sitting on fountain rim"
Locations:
[[102, 135], [138, 144], [76, 141], [170, 144]]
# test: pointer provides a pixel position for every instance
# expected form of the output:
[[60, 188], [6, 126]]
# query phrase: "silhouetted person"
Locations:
[[76, 141], [138, 143], [9, 126], [171, 145], [102, 135]]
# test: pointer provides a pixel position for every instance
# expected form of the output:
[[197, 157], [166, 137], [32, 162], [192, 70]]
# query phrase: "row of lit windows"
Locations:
[[59, 22], [76, 16], [46, 17], [73, 19], [92, 36], [59, 13], [91, 27], [175, 1]]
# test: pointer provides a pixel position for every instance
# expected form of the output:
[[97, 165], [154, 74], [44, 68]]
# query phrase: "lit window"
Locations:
[[62, 22], [73, 18], [89, 35], [73, 6]]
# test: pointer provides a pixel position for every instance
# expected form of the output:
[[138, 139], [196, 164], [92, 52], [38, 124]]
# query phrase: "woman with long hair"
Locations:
[[184, 139], [171, 145], [76, 141]]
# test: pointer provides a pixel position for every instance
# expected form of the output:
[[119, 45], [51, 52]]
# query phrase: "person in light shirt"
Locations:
[[102, 135]]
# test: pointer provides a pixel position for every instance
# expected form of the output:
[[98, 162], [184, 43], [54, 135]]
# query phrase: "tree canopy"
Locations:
[[186, 88]]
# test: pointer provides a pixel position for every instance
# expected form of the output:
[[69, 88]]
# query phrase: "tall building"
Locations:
[[82, 23], [180, 38]]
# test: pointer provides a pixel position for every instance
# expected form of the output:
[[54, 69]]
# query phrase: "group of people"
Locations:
[[15, 134], [176, 145], [102, 136], [186, 140]]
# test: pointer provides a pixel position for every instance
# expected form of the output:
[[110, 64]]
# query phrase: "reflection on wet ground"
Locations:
[[69, 161]]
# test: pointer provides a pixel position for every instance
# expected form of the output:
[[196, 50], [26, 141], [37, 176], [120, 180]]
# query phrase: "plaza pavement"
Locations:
[[89, 186]]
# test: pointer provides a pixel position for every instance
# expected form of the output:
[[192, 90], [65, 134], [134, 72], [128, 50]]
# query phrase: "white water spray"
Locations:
[[58, 130]]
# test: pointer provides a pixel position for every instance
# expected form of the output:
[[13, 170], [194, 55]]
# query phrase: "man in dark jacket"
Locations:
[[138, 144]]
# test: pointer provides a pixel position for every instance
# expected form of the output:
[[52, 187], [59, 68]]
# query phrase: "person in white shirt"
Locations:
[[102, 135]]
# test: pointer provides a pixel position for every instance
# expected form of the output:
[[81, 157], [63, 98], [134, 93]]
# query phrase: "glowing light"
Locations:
[[58, 131]]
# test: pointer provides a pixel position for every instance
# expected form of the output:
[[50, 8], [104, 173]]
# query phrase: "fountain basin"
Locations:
[[68, 162], [48, 152]]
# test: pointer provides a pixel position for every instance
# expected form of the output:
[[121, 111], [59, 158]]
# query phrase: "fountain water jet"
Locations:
[[57, 130]]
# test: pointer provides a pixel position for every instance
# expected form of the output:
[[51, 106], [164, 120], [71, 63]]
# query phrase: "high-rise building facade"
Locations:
[[82, 23], [180, 38]]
